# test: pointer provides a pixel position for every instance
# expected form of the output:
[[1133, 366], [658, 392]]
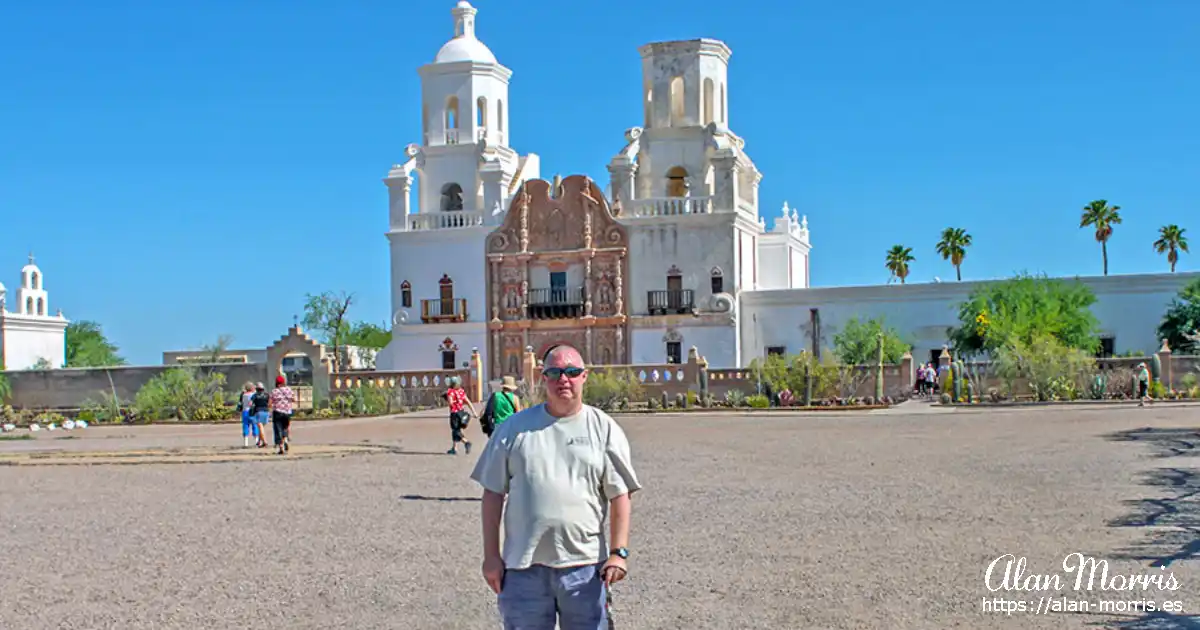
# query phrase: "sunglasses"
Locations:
[[556, 373]]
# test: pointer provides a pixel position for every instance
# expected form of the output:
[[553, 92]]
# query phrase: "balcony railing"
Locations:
[[670, 302], [422, 221], [556, 303], [449, 310], [669, 206], [451, 136]]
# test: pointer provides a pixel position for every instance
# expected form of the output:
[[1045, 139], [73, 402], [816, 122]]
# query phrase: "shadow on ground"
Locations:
[[420, 497], [1169, 518]]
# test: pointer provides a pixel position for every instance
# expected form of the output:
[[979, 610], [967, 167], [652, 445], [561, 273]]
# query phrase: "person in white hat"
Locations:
[[500, 406]]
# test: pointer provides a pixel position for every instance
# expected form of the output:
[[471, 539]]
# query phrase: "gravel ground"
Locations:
[[808, 521]]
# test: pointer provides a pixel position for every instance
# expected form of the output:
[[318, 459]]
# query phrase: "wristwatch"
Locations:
[[620, 552]]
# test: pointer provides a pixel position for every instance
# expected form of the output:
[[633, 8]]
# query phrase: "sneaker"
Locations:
[[452, 452], [285, 446]]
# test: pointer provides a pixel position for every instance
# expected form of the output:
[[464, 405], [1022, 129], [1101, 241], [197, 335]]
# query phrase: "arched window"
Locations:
[[500, 115], [678, 109], [446, 289], [37, 280], [481, 112], [452, 120], [708, 101], [723, 118], [677, 185], [406, 294], [452, 197], [718, 281], [425, 121], [41, 306], [649, 104], [29, 306]]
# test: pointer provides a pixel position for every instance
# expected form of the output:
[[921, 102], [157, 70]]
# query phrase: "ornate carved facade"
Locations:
[[557, 271]]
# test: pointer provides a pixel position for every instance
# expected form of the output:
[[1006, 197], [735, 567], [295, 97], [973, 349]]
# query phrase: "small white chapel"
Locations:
[[29, 335]]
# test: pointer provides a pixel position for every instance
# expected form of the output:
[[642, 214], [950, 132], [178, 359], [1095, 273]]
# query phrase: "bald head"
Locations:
[[563, 356]]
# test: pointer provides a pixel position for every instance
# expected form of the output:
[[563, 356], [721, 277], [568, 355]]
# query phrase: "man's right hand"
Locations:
[[493, 572]]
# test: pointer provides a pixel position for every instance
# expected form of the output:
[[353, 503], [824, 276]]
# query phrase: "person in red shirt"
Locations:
[[456, 396]]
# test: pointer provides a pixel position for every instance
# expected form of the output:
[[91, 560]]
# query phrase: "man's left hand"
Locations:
[[614, 570]]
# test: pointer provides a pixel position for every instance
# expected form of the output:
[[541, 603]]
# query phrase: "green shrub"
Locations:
[[1053, 370], [604, 389], [758, 401], [185, 393], [735, 398], [1189, 381], [1158, 390]]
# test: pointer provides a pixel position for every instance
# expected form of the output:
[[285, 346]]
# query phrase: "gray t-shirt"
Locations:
[[559, 475]]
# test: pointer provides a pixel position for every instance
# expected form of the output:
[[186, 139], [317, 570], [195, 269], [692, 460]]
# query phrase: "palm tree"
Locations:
[[898, 258], [1103, 217], [953, 247], [1170, 241]]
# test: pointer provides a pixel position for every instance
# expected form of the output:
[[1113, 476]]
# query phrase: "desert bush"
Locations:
[[758, 401], [1189, 381], [604, 389], [46, 418], [1053, 370], [735, 398], [185, 393], [1158, 390]]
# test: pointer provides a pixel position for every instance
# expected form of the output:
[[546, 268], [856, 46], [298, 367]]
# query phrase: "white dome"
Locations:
[[464, 49]]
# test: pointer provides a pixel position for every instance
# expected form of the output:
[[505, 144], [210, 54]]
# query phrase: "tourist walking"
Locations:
[[260, 405], [1143, 383], [283, 399], [500, 406], [456, 398], [563, 468], [246, 406]]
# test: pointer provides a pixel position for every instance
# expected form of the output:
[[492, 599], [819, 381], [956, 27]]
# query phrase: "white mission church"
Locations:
[[29, 334], [671, 254]]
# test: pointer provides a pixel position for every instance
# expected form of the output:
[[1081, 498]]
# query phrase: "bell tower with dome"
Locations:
[[465, 173], [29, 334]]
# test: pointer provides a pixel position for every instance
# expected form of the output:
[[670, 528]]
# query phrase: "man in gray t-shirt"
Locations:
[[563, 467]]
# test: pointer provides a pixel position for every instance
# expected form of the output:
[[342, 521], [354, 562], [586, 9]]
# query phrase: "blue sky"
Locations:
[[189, 169]]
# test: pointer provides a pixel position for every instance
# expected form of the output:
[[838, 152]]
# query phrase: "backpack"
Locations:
[[487, 419]]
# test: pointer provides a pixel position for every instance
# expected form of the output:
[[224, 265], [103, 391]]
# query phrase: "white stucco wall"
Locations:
[[418, 347], [27, 339], [694, 244], [715, 343], [422, 258], [1129, 308], [747, 260]]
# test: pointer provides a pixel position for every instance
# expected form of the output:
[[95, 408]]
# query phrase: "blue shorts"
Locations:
[[248, 426], [529, 598]]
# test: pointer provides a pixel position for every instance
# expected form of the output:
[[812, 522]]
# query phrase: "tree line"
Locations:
[[1098, 215], [326, 316]]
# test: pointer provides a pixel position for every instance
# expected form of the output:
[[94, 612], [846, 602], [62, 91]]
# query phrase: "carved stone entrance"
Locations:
[[556, 274]]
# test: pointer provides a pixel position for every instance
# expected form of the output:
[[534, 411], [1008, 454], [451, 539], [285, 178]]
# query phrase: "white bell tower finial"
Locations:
[[464, 19]]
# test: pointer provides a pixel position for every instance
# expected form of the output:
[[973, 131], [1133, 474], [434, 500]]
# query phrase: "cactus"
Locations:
[[682, 401], [970, 391], [1155, 368], [959, 376], [666, 400]]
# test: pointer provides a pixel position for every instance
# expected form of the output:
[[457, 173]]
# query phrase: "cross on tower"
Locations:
[[31, 257]]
